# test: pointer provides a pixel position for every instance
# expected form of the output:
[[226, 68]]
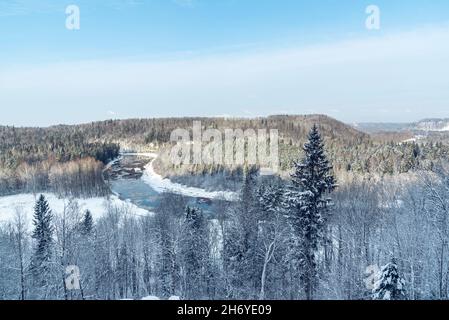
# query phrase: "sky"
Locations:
[[235, 58]]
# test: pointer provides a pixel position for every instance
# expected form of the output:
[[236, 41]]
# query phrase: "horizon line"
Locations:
[[224, 117]]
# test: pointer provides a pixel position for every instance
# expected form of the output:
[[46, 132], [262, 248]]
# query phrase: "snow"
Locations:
[[97, 206], [154, 298], [160, 184], [142, 154], [216, 238], [110, 164], [435, 125], [26, 202], [441, 129], [414, 139], [409, 140], [151, 298]]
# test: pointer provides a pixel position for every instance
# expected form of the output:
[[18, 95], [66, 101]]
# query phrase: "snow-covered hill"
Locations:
[[432, 125], [426, 125]]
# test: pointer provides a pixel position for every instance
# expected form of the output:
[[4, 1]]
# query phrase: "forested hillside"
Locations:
[[306, 237], [33, 159], [60, 159]]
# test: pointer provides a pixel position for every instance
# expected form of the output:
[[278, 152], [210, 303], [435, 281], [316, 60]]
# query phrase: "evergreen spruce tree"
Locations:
[[390, 286], [43, 235], [269, 197], [307, 205], [85, 243], [87, 224]]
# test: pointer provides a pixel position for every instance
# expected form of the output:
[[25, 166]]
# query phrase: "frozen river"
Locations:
[[136, 181]]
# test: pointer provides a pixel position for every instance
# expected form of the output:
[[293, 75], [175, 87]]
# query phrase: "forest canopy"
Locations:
[[31, 157]]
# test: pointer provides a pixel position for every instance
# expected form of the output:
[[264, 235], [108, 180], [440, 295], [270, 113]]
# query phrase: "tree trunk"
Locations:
[[268, 257]]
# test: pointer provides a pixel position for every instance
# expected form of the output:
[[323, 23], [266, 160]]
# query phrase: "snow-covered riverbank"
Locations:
[[25, 202], [160, 184]]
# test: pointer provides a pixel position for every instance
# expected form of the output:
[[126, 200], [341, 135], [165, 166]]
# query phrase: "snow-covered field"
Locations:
[[158, 183], [25, 202]]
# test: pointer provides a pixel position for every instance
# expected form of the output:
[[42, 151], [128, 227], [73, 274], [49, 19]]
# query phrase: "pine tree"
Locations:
[[167, 260], [87, 224], [308, 206], [269, 197], [85, 243], [43, 235], [390, 286]]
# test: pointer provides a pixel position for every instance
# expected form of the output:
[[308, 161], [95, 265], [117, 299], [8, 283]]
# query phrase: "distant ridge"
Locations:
[[425, 125], [432, 125], [293, 127]]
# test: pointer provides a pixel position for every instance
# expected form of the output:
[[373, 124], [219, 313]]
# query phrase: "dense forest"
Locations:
[[54, 159], [30, 158], [306, 237]]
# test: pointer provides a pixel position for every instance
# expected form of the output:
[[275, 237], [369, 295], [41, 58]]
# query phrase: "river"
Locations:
[[132, 178]]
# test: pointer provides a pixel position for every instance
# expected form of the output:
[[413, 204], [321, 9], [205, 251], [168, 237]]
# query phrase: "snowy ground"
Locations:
[[158, 183], [25, 202], [414, 139]]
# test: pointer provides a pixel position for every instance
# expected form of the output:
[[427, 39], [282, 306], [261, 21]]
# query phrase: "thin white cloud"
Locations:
[[367, 79], [26, 7]]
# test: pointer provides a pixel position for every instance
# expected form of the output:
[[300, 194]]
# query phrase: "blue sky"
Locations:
[[137, 58]]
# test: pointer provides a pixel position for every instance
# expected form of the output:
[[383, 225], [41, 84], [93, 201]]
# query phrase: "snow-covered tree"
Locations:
[[272, 230], [270, 196], [85, 253], [43, 235], [194, 253], [241, 242], [307, 202], [167, 235], [87, 224], [390, 286], [20, 240]]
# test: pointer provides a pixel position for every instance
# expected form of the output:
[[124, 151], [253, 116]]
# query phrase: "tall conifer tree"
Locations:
[[308, 205], [43, 235]]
